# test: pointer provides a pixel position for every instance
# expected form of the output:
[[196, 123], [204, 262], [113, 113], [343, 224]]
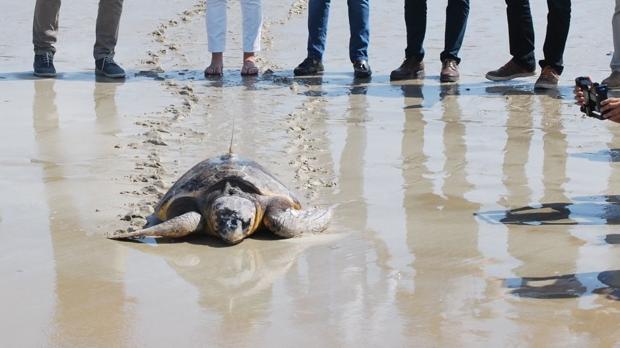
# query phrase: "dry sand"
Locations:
[[470, 214]]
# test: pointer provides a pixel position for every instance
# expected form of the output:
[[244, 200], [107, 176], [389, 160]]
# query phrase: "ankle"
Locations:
[[217, 58], [249, 56]]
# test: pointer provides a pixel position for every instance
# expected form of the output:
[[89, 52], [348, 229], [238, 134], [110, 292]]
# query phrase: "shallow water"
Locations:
[[467, 214]]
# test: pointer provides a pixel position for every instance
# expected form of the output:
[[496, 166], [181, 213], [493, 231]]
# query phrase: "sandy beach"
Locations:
[[467, 215]]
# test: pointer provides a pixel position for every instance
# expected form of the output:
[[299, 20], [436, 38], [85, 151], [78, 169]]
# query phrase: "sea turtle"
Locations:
[[230, 197]]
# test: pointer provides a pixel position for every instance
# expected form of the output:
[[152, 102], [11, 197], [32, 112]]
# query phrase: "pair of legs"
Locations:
[[45, 33], [456, 22], [415, 20], [521, 39], [251, 11], [521, 33], [359, 27], [45, 27]]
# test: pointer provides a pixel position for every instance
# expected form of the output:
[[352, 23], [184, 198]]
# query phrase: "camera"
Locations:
[[594, 94]]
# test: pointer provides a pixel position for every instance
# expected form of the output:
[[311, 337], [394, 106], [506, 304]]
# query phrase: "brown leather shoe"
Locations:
[[509, 71], [548, 79], [411, 68], [449, 71]]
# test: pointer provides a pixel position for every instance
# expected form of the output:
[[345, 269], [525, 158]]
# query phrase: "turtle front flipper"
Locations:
[[289, 222], [176, 227]]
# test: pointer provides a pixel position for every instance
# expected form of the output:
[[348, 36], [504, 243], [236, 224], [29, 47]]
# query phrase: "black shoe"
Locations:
[[107, 67], [309, 66], [44, 65], [411, 68], [361, 69]]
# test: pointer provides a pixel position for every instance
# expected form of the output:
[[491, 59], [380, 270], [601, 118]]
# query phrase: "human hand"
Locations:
[[579, 96], [610, 108]]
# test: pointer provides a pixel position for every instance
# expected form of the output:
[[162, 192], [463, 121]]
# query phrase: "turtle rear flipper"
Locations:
[[288, 223], [176, 227]]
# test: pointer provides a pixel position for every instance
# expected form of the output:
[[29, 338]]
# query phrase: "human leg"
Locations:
[[521, 33], [359, 27], [216, 35], [252, 23], [613, 81], [558, 23], [521, 40], [108, 20], [457, 12], [415, 23], [318, 15], [44, 34], [615, 60], [45, 26]]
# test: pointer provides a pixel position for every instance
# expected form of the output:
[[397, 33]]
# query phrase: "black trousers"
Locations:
[[457, 12], [521, 33]]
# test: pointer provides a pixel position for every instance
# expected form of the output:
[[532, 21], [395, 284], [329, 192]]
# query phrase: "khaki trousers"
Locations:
[[615, 25], [45, 26]]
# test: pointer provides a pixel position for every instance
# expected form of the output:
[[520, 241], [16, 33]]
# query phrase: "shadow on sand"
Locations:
[[587, 210], [605, 283]]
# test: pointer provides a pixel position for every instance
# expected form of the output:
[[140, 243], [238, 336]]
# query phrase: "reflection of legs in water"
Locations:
[[89, 288], [413, 95], [44, 106]]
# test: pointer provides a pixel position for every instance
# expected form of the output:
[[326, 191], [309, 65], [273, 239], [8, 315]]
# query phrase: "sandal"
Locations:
[[249, 68], [214, 71]]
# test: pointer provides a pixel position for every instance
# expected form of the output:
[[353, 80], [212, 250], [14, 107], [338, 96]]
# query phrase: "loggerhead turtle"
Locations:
[[230, 197]]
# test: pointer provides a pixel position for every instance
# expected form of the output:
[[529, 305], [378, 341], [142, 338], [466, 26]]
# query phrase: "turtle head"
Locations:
[[232, 215]]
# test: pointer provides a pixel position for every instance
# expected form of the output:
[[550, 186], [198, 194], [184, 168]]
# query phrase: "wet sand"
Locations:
[[470, 214]]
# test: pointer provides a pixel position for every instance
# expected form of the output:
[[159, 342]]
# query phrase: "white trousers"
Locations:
[[252, 13], [615, 24]]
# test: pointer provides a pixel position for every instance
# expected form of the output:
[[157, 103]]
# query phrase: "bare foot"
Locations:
[[249, 67], [217, 65]]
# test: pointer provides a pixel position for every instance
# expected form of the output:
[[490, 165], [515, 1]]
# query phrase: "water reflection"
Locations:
[[591, 210], [441, 233], [521, 89], [607, 155], [236, 283], [605, 283], [86, 285]]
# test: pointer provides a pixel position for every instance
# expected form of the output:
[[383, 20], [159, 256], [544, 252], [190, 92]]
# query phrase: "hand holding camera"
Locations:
[[595, 104], [591, 96]]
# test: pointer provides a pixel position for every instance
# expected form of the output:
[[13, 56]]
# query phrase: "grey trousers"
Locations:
[[615, 24], [45, 26]]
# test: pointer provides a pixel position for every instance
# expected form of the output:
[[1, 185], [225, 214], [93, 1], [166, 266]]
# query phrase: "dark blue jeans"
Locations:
[[521, 32], [456, 22], [318, 14]]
